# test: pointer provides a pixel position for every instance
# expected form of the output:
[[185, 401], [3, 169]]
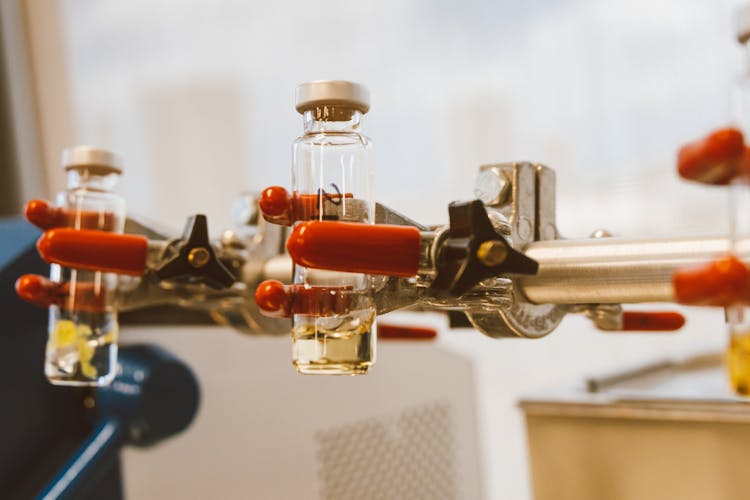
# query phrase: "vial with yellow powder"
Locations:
[[82, 341]]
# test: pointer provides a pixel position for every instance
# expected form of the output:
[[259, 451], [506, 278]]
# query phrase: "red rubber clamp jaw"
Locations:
[[716, 159], [39, 290], [43, 215], [652, 321], [401, 332], [356, 248], [274, 299], [278, 206], [43, 292], [277, 300], [46, 216], [282, 301], [94, 250], [724, 282]]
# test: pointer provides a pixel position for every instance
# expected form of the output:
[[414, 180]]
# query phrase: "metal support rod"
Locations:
[[92, 459], [615, 270]]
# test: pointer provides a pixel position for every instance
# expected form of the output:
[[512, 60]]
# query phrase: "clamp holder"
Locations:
[[528, 203]]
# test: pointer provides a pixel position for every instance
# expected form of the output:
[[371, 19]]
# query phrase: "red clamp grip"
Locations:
[[46, 216], [716, 159], [276, 205], [399, 332], [40, 291], [652, 321], [724, 282], [279, 207], [43, 215], [94, 250], [274, 299], [282, 301], [356, 248]]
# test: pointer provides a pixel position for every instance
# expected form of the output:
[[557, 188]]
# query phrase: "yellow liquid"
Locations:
[[738, 362], [334, 345]]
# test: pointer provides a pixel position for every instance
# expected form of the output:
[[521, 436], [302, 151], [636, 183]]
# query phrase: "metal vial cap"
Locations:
[[97, 160], [310, 95], [742, 23]]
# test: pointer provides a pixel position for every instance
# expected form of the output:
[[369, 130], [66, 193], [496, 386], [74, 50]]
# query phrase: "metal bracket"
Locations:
[[531, 212]]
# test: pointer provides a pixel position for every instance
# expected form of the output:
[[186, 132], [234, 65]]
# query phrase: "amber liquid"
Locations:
[[738, 362], [334, 345]]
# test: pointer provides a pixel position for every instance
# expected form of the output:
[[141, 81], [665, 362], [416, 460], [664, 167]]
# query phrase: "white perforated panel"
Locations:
[[410, 455]]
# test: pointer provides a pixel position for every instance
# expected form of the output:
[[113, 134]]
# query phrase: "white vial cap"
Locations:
[[742, 23], [310, 95], [100, 161]]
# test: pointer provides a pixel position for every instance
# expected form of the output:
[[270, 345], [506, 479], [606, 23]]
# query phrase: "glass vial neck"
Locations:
[[332, 119], [92, 178]]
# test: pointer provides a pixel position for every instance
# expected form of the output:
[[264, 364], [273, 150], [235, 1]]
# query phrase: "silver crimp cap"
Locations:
[[310, 95], [99, 160]]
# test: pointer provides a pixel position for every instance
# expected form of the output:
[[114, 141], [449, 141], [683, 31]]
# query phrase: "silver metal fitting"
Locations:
[[245, 210], [602, 233], [524, 194], [492, 186]]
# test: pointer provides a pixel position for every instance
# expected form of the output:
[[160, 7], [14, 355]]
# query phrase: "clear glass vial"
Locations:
[[332, 180], [82, 341]]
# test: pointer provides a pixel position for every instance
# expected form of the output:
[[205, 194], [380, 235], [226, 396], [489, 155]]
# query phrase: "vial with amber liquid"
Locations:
[[332, 180], [82, 338], [738, 316]]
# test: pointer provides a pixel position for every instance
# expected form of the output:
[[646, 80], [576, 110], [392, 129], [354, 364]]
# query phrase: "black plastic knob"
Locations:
[[473, 251], [196, 259]]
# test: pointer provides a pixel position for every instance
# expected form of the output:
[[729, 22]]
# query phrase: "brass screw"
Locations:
[[492, 253], [198, 257]]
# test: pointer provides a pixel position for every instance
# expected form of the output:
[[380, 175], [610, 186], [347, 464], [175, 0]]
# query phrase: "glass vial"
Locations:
[[738, 316], [332, 180], [82, 341]]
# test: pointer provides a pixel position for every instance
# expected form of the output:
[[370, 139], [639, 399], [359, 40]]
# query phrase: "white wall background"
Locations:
[[198, 98]]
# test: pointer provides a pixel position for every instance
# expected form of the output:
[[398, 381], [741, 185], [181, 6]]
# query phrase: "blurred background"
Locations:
[[198, 98]]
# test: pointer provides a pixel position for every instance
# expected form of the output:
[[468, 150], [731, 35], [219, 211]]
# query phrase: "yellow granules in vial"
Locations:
[[66, 335]]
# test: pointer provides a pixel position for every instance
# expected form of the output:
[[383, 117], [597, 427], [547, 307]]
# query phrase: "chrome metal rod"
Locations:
[[615, 270]]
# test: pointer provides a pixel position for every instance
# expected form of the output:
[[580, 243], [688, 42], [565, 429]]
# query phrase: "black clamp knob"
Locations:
[[195, 259], [473, 251]]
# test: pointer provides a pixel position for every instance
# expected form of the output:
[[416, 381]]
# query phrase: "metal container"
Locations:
[[666, 430]]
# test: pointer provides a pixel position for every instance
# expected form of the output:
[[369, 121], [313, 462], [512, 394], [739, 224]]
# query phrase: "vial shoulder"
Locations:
[[85, 197], [333, 139]]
